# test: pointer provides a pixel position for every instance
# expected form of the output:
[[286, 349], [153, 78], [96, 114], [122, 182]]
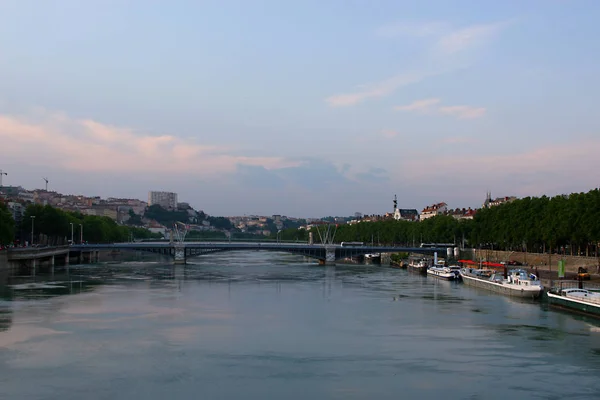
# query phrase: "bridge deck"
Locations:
[[310, 250], [29, 253]]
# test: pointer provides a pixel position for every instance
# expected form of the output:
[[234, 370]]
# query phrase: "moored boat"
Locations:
[[443, 272], [517, 283], [577, 299], [418, 266], [372, 258]]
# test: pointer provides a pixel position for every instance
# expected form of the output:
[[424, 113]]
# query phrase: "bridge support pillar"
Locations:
[[67, 260], [33, 266], [180, 257], [329, 257], [97, 256]]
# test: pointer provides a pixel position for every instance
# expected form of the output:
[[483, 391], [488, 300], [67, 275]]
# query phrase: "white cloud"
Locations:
[[465, 38], [54, 139], [419, 105], [378, 89], [463, 112], [428, 106], [442, 49]]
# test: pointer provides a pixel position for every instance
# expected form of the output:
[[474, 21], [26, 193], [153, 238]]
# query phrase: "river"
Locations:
[[266, 325]]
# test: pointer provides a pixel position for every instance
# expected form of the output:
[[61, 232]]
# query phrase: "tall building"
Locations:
[[167, 200]]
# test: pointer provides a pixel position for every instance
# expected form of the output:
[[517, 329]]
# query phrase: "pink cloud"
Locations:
[[578, 158], [86, 145], [388, 133]]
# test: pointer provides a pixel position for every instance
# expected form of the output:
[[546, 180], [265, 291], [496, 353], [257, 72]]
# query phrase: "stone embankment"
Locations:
[[3, 259], [547, 262]]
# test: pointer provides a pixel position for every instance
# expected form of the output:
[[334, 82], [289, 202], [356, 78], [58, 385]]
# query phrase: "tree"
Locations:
[[134, 219], [7, 226], [166, 217]]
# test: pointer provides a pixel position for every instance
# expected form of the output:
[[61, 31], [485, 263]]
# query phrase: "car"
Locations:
[[583, 274]]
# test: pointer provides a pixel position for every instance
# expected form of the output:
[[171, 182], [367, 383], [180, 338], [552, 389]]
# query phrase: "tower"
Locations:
[[395, 203], [488, 199]]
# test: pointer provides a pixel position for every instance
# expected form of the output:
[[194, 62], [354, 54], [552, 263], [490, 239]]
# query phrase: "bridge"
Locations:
[[181, 251], [34, 257]]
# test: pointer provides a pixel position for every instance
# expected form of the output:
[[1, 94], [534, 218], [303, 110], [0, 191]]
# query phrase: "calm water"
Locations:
[[262, 325]]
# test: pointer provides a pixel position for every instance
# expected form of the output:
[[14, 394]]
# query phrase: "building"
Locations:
[[433, 210], [406, 214], [489, 202], [167, 200], [463, 213]]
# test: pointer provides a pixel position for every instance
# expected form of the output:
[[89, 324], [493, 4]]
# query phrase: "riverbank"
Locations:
[[542, 261]]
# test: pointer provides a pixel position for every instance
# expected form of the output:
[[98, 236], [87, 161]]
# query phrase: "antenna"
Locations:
[[46, 179]]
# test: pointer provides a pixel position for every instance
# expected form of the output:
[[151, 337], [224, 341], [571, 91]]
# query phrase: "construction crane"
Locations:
[[46, 179]]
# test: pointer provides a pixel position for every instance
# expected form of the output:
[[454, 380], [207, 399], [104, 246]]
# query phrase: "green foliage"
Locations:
[[166, 217], [54, 227], [7, 225], [142, 233], [220, 222], [195, 235], [439, 229], [300, 235], [134, 219], [399, 257], [538, 223]]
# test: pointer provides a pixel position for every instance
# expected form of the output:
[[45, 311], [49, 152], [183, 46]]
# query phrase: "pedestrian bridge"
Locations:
[[324, 253]]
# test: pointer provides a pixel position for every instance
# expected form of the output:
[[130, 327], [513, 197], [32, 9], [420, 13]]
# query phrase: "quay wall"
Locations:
[[543, 261], [3, 260]]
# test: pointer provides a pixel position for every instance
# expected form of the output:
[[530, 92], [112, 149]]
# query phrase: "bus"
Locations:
[[344, 244], [436, 245]]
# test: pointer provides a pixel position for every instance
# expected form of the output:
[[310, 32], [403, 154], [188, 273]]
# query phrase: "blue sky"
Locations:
[[301, 108]]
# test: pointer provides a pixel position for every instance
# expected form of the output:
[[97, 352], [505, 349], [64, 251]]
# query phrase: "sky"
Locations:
[[304, 108]]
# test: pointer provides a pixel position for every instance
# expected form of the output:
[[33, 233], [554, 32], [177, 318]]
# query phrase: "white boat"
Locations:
[[418, 266], [518, 282], [373, 257], [443, 272], [576, 299]]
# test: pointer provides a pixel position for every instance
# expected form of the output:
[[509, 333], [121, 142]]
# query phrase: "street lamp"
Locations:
[[70, 223], [32, 219], [278, 232], [80, 234]]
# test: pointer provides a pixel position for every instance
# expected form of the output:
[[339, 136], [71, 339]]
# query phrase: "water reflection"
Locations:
[[263, 325]]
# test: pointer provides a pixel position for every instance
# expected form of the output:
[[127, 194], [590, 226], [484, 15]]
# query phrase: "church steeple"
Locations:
[[488, 199]]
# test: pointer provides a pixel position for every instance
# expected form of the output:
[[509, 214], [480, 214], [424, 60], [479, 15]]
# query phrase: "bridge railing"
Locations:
[[36, 249]]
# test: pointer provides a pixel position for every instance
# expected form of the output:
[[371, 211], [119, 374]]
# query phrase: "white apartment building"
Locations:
[[167, 200], [432, 211]]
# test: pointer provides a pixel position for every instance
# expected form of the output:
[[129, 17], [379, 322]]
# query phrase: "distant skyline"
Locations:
[[304, 109]]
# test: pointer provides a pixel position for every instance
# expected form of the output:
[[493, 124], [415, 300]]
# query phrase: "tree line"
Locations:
[[53, 226], [567, 224]]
